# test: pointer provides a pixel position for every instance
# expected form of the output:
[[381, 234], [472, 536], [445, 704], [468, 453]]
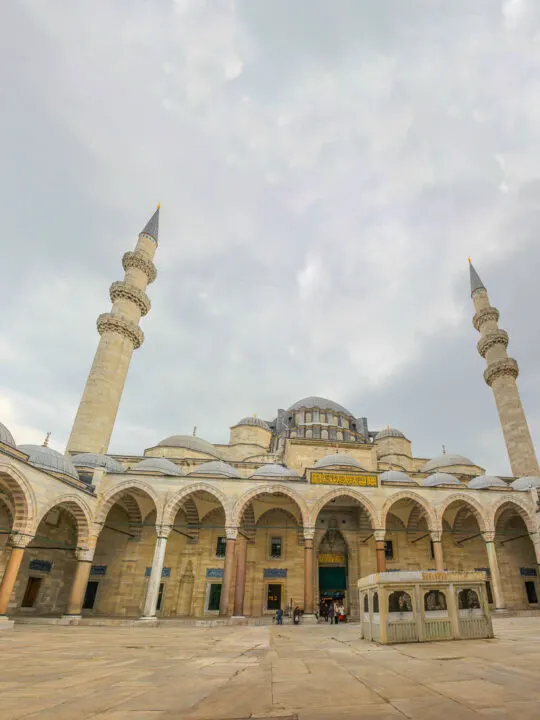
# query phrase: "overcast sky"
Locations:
[[324, 169]]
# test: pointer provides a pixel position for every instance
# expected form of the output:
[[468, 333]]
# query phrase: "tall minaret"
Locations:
[[120, 335], [500, 375]]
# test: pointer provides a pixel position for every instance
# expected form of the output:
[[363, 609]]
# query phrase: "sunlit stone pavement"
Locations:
[[316, 672]]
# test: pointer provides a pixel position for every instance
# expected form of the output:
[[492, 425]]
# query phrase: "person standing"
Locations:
[[296, 615], [279, 617], [331, 612], [336, 613]]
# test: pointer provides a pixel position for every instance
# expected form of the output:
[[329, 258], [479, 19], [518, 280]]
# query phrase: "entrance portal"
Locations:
[[333, 567]]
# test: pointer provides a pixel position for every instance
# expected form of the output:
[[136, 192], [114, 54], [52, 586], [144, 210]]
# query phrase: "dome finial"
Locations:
[[46, 441], [152, 226], [194, 431], [444, 449]]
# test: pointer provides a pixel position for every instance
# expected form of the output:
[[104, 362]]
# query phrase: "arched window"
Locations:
[[399, 601], [366, 604], [468, 599], [434, 600], [376, 602]]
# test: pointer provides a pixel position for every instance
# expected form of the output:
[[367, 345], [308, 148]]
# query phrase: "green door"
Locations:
[[332, 580], [215, 596]]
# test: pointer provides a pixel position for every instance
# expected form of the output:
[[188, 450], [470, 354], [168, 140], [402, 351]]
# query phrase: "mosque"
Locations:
[[292, 509]]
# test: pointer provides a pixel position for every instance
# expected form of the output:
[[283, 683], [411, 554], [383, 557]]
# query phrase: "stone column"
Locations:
[[152, 589], [240, 585], [18, 544], [436, 539], [309, 534], [232, 534], [498, 596], [379, 549], [80, 581]]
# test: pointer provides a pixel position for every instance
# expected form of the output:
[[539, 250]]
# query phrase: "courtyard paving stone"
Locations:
[[318, 672]]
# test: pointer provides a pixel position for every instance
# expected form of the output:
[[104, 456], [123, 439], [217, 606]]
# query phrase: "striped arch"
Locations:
[[126, 493], [288, 513], [421, 508], [180, 499], [248, 522], [269, 489], [22, 497], [5, 502], [469, 502], [81, 513], [517, 505], [354, 495]]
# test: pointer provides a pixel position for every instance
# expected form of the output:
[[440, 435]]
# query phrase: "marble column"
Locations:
[[308, 576], [152, 589], [232, 534], [18, 544], [80, 581], [436, 539], [498, 596], [379, 550], [240, 584]]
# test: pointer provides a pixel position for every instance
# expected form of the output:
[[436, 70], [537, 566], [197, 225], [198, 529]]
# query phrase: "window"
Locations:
[[90, 595], [160, 596], [434, 600], [273, 598], [221, 546], [399, 601], [389, 550], [31, 592], [468, 599], [366, 605], [375, 602], [489, 593], [214, 596], [530, 588], [275, 547]]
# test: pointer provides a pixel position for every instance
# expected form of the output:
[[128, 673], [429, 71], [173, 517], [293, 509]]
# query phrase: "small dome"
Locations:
[[396, 476], [216, 467], [486, 481], [445, 460], [440, 478], [6, 437], [338, 460], [45, 458], [158, 465], [526, 483], [93, 460], [189, 442], [273, 470], [321, 403], [389, 433], [257, 422]]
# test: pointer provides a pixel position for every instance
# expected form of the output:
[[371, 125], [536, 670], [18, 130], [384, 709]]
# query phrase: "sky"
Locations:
[[324, 170]]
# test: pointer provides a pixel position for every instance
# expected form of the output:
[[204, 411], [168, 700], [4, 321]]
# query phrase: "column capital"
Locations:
[[379, 535], [309, 533], [436, 536], [19, 540], [163, 531], [489, 536], [85, 554], [232, 532]]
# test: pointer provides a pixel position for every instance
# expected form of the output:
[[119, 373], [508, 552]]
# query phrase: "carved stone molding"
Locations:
[[231, 532], [137, 260], [436, 536], [498, 368], [19, 540], [309, 533], [379, 535], [124, 290], [489, 536], [85, 554], [114, 323], [497, 337], [484, 315]]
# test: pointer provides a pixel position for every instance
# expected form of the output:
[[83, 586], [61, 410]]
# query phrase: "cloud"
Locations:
[[324, 172]]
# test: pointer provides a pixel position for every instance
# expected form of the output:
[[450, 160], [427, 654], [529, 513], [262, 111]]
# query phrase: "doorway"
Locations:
[[160, 596], [333, 566], [273, 596], [530, 589], [214, 597], [90, 595], [31, 592]]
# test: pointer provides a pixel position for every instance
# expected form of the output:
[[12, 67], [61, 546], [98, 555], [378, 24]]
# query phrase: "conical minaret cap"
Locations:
[[476, 283], [152, 226]]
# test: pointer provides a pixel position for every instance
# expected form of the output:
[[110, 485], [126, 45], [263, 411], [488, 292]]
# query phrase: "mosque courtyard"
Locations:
[[316, 672]]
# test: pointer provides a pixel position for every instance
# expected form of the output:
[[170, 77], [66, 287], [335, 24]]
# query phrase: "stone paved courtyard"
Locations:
[[316, 672]]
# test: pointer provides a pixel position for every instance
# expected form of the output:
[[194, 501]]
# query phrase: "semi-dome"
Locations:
[[389, 433], [189, 442], [6, 437], [94, 460], [445, 460], [338, 460], [257, 422], [45, 458], [158, 465], [273, 470], [526, 483], [321, 403], [440, 478], [396, 476], [486, 481], [215, 467]]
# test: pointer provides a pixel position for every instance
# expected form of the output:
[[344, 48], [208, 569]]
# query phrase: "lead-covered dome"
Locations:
[[338, 460], [396, 476], [313, 401], [6, 437], [445, 460], [254, 421], [440, 478], [486, 481], [189, 442], [526, 483], [97, 461], [273, 470], [45, 458], [162, 466], [216, 467], [389, 433]]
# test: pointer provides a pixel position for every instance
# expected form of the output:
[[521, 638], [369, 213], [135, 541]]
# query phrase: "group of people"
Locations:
[[332, 611], [297, 614]]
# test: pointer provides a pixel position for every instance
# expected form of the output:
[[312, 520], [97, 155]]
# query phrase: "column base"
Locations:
[[308, 619], [238, 620], [6, 623], [148, 620], [67, 619]]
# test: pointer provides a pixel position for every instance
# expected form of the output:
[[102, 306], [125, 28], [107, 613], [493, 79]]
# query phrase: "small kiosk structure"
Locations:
[[422, 606]]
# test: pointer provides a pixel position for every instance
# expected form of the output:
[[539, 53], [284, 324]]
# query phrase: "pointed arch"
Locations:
[[269, 489], [471, 502], [421, 509], [126, 492], [81, 513], [354, 495], [288, 513], [522, 508], [180, 497], [248, 520], [22, 496]]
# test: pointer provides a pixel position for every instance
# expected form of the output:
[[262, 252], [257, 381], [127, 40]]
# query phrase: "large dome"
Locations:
[[257, 422], [189, 442], [338, 460], [440, 478], [445, 460], [389, 433], [321, 403], [45, 458], [273, 470], [94, 460], [216, 467], [158, 465], [6, 437]]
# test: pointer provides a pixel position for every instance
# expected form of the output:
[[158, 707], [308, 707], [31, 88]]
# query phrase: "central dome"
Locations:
[[321, 403]]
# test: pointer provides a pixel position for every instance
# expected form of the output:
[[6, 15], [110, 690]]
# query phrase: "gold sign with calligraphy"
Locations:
[[319, 478], [331, 559]]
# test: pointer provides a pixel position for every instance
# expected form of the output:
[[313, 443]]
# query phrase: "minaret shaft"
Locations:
[[120, 335], [500, 374]]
